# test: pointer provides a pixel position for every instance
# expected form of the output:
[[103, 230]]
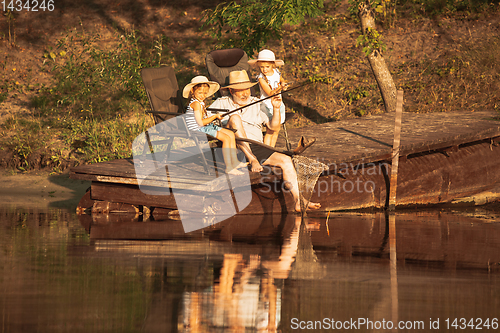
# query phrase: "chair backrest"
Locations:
[[163, 92], [222, 62]]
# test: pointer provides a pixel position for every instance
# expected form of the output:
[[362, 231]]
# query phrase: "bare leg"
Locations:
[[235, 123], [290, 176], [236, 164], [227, 151]]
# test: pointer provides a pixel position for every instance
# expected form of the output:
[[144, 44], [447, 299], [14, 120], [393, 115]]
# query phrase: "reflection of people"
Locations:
[[282, 267], [197, 119], [249, 123], [241, 299], [270, 83]]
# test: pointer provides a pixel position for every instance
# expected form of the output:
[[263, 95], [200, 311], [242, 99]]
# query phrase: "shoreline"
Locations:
[[41, 189]]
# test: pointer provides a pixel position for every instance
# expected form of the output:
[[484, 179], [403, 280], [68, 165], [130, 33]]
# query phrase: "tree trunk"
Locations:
[[377, 62]]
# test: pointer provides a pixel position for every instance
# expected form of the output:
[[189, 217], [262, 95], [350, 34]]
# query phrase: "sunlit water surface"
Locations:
[[345, 272]]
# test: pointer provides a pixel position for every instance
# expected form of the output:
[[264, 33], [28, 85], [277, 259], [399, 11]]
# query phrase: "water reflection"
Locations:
[[259, 274]]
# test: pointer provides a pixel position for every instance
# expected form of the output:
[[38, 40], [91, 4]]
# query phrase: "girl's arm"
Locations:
[[265, 86], [198, 115]]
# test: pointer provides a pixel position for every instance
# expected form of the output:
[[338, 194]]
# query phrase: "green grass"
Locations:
[[95, 106]]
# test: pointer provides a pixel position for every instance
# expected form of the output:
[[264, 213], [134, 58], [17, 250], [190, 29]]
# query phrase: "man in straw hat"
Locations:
[[249, 123]]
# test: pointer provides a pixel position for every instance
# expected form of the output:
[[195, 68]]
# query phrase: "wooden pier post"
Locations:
[[395, 151]]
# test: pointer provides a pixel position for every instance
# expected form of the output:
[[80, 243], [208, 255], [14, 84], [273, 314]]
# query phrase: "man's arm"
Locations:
[[275, 122]]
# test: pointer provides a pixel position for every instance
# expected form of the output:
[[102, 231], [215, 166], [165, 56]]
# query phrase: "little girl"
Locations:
[[270, 83], [197, 119]]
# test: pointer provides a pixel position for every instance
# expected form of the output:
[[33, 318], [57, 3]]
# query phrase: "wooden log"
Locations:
[[395, 151]]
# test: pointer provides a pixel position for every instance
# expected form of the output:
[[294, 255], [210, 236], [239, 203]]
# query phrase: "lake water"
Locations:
[[432, 270]]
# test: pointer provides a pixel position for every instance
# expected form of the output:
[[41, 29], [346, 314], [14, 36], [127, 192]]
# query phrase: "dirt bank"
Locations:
[[40, 190]]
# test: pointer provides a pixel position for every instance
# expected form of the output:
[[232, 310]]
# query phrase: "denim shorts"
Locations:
[[211, 129]]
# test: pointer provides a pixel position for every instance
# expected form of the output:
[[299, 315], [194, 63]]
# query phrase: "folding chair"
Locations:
[[167, 109], [222, 62]]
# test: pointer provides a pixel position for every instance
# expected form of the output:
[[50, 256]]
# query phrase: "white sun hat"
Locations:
[[214, 86], [266, 55]]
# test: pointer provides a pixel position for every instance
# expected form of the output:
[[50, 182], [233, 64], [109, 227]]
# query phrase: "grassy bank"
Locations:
[[83, 101]]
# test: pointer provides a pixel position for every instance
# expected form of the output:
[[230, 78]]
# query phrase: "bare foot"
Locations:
[[242, 165], [256, 167], [235, 172], [311, 205]]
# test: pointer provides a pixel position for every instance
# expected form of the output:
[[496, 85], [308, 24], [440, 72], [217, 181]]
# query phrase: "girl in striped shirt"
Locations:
[[198, 119]]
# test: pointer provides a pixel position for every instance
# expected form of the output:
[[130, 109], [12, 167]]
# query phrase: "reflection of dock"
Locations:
[[436, 239], [431, 238], [444, 157]]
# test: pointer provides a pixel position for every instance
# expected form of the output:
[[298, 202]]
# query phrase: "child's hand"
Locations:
[[218, 116], [276, 91]]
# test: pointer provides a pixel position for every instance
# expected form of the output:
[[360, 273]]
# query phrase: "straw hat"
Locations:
[[239, 80], [214, 86], [266, 55]]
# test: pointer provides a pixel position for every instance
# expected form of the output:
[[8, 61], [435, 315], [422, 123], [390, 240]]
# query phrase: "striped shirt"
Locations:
[[189, 115]]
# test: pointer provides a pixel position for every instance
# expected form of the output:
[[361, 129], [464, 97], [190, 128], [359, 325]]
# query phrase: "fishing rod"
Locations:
[[260, 100]]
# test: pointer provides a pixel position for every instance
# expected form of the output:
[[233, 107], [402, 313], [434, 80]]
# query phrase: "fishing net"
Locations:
[[308, 172]]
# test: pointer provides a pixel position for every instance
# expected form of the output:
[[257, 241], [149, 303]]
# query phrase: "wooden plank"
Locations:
[[120, 171], [132, 194], [265, 199]]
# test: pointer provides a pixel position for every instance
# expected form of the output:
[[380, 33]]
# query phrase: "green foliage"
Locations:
[[356, 94], [27, 140], [352, 8], [93, 81], [371, 41], [102, 141], [89, 140], [249, 24], [3, 96], [386, 12], [93, 88]]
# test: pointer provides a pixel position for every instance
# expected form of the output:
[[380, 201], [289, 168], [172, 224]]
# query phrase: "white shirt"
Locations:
[[252, 117], [273, 81]]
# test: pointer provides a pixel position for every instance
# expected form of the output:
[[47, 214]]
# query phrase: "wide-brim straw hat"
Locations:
[[213, 86], [239, 80], [266, 55]]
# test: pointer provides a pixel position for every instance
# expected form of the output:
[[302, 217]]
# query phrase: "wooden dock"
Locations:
[[369, 139], [444, 157]]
